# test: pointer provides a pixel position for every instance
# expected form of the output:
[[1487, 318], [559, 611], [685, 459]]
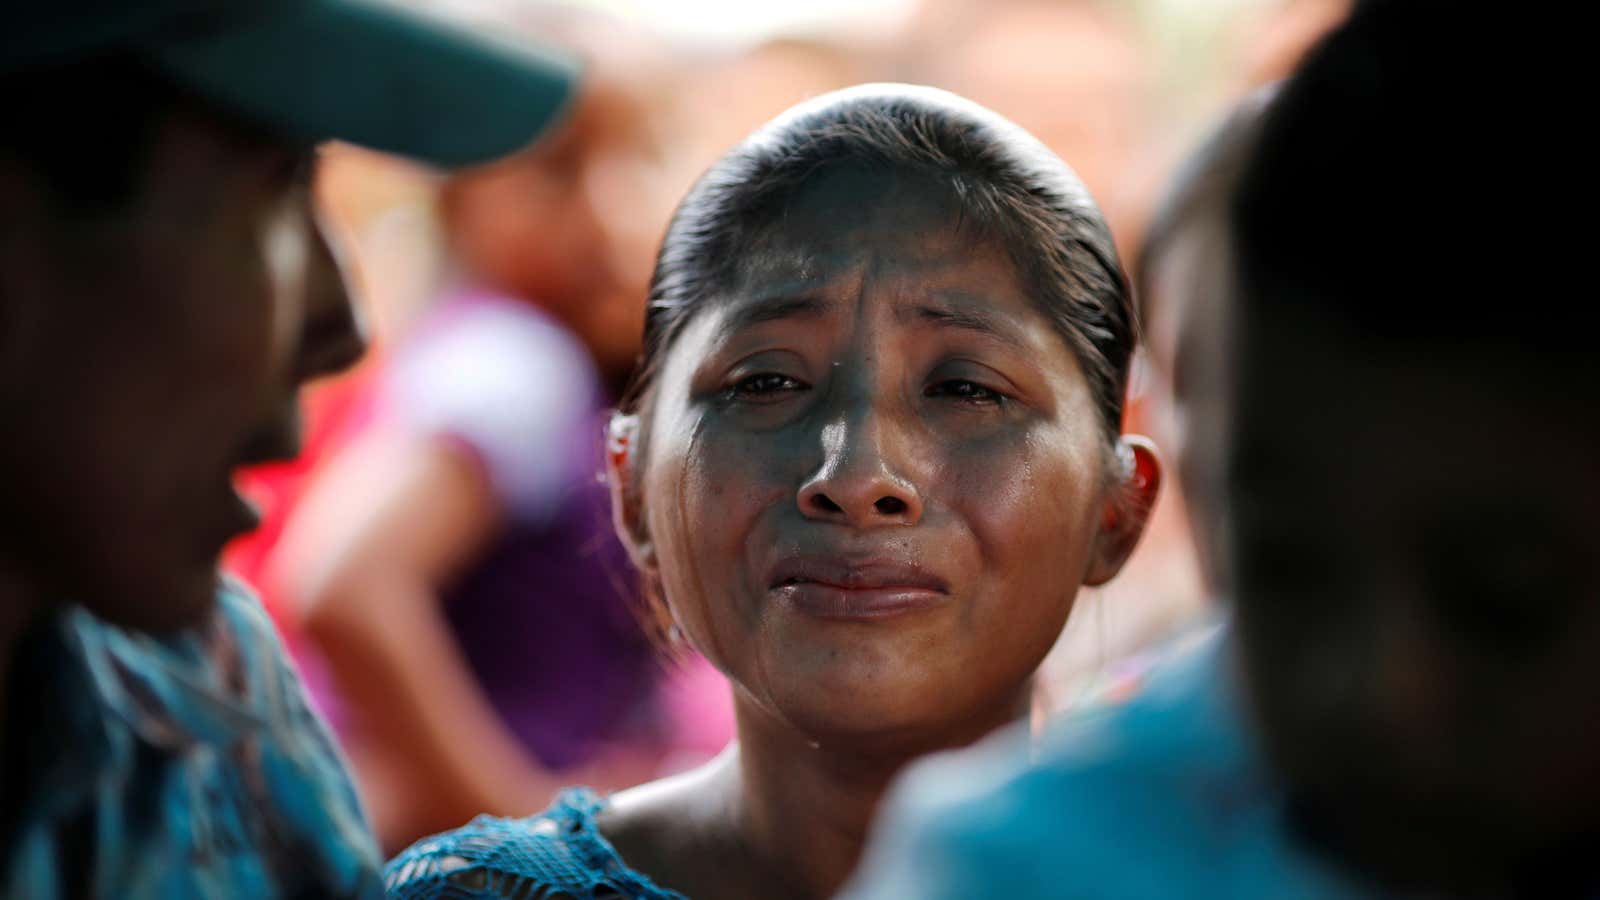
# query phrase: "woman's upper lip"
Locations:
[[849, 573]]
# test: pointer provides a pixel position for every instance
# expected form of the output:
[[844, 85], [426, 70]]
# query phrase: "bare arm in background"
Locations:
[[371, 547]]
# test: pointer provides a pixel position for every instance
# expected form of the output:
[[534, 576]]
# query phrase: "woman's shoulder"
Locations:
[[559, 851]]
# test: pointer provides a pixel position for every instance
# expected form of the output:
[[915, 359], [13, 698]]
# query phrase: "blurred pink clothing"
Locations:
[[546, 618]]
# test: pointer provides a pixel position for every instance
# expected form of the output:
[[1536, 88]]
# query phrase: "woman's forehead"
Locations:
[[797, 257], [897, 249], [843, 224], [907, 273]]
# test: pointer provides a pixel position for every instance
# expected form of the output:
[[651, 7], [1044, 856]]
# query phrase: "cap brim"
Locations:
[[377, 76]]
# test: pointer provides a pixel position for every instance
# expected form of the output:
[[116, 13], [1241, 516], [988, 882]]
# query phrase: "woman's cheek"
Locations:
[[1065, 505], [1026, 495], [699, 498], [991, 481], [663, 495]]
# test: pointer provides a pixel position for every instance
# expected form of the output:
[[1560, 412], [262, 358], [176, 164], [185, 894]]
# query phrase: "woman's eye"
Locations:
[[764, 386], [970, 391]]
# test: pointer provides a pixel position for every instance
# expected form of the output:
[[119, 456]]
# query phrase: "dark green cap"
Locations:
[[356, 70]]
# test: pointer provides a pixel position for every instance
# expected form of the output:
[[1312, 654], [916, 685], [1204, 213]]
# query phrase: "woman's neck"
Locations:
[[803, 808]]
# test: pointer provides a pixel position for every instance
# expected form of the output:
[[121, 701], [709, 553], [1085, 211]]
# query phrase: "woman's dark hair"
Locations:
[[1005, 184]]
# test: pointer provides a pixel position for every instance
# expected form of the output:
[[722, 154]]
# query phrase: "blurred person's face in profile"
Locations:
[[875, 475], [571, 223], [1184, 318], [1418, 589], [150, 349]]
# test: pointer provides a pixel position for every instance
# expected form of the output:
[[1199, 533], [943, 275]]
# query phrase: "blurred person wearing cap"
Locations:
[[165, 287]]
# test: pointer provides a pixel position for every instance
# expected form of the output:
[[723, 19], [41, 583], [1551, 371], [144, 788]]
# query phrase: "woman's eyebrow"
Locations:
[[972, 318], [804, 306]]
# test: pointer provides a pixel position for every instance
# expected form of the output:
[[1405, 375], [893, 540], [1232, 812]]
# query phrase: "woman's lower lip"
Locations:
[[826, 601]]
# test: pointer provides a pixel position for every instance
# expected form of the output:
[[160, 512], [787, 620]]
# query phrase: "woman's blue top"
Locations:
[[556, 853]]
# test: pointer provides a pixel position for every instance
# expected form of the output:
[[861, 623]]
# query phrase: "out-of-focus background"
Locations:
[[440, 559]]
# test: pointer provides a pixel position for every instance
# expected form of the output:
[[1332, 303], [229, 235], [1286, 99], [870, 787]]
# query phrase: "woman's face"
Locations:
[[875, 474]]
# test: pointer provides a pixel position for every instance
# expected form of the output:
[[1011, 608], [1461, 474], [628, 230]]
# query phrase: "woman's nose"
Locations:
[[857, 485]]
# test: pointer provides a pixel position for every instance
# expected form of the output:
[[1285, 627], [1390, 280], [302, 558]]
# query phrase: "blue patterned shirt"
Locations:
[[557, 853], [186, 766]]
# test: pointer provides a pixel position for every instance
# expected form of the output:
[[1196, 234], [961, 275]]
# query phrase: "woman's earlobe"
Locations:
[[619, 441], [1127, 509], [620, 431]]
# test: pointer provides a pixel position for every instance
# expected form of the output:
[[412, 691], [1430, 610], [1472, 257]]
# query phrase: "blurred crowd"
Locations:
[[418, 556]]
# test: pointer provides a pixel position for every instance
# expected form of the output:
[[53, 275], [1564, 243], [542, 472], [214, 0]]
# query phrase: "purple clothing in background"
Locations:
[[545, 617]]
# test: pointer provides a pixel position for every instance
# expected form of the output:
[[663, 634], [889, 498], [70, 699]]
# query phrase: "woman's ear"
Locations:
[[1127, 507], [627, 510]]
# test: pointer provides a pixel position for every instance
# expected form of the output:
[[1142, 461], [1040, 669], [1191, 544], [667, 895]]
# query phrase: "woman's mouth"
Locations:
[[869, 589]]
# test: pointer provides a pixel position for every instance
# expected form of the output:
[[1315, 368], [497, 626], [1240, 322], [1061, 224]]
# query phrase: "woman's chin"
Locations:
[[909, 682], [867, 707]]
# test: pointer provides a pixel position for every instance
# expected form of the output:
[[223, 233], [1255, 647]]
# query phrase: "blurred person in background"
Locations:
[[1419, 628], [1408, 700], [455, 563], [1075, 73], [1178, 268], [874, 451], [1280, 35], [1183, 281], [740, 91], [165, 288]]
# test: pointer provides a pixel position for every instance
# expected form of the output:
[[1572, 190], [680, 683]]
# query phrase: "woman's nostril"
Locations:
[[825, 503], [890, 506]]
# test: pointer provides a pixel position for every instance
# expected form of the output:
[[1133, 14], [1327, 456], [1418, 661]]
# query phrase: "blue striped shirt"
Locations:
[[185, 766]]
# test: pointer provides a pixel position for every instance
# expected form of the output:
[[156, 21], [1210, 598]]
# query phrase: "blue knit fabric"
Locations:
[[182, 767], [556, 854]]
